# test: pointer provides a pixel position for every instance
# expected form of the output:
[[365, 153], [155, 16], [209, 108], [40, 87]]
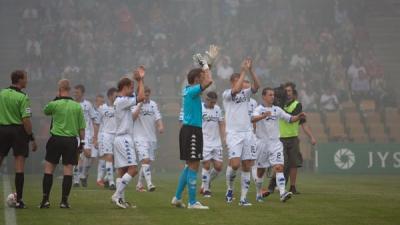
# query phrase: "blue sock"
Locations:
[[191, 182], [181, 183]]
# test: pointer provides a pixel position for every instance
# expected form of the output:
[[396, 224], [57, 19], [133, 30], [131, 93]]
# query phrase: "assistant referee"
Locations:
[[16, 128], [67, 124]]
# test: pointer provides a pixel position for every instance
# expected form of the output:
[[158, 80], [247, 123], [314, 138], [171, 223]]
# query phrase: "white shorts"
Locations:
[[124, 151], [106, 143], [270, 153], [212, 153], [242, 145], [145, 149]]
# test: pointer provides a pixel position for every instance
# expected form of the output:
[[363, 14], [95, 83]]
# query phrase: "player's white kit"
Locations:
[[144, 130], [239, 135], [89, 114], [269, 147], [212, 146], [124, 153], [252, 106], [107, 129]]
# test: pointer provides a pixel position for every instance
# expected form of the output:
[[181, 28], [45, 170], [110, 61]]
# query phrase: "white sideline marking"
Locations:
[[9, 213]]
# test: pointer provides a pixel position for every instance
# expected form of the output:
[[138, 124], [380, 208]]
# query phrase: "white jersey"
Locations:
[[252, 105], [268, 128], [89, 113], [144, 128], [237, 110], [107, 119], [123, 114], [211, 119]]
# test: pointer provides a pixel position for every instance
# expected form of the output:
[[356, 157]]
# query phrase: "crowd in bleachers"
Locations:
[[323, 46]]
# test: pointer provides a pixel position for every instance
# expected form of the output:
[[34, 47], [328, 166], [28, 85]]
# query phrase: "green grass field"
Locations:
[[324, 200]]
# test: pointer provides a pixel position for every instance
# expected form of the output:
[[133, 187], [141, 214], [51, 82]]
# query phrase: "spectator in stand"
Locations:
[[329, 101], [308, 98], [224, 68], [360, 86]]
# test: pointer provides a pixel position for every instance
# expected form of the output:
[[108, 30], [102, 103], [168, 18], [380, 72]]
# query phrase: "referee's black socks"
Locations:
[[66, 187], [47, 183], [19, 185]]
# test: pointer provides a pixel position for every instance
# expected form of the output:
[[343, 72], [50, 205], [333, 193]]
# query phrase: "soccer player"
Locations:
[[68, 123], [101, 164], [106, 138], [124, 153], [16, 128], [213, 135], [147, 119], [191, 136], [239, 131], [82, 170], [269, 147]]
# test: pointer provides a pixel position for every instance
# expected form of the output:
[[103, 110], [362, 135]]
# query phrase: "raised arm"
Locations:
[[138, 75], [256, 82], [207, 80], [238, 86]]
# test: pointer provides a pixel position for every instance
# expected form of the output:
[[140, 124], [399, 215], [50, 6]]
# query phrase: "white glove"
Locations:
[[202, 61], [212, 53]]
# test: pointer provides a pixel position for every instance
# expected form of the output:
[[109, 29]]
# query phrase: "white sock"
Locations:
[[147, 173], [117, 186], [280, 182], [101, 168], [259, 183], [254, 173], [126, 178], [110, 172], [76, 174], [230, 177], [205, 177], [86, 162], [140, 177], [245, 185], [213, 174]]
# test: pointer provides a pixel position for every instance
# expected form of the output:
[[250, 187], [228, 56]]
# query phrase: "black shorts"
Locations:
[[291, 151], [191, 143], [15, 137], [65, 147]]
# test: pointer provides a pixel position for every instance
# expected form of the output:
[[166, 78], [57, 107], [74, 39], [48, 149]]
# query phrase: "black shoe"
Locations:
[[20, 205], [44, 205], [112, 187], [266, 193], [106, 184], [76, 185], [84, 182], [293, 190], [64, 205], [207, 194]]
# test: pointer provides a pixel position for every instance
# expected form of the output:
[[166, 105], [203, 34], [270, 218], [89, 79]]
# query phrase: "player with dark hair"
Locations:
[[82, 170], [191, 135], [213, 136]]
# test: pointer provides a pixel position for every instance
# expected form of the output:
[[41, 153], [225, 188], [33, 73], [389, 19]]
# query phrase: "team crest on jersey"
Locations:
[[240, 98]]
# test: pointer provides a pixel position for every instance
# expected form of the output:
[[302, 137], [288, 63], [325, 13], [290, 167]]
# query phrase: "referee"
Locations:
[[67, 124], [16, 128]]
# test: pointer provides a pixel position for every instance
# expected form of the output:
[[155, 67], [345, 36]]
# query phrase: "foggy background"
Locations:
[[348, 49]]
